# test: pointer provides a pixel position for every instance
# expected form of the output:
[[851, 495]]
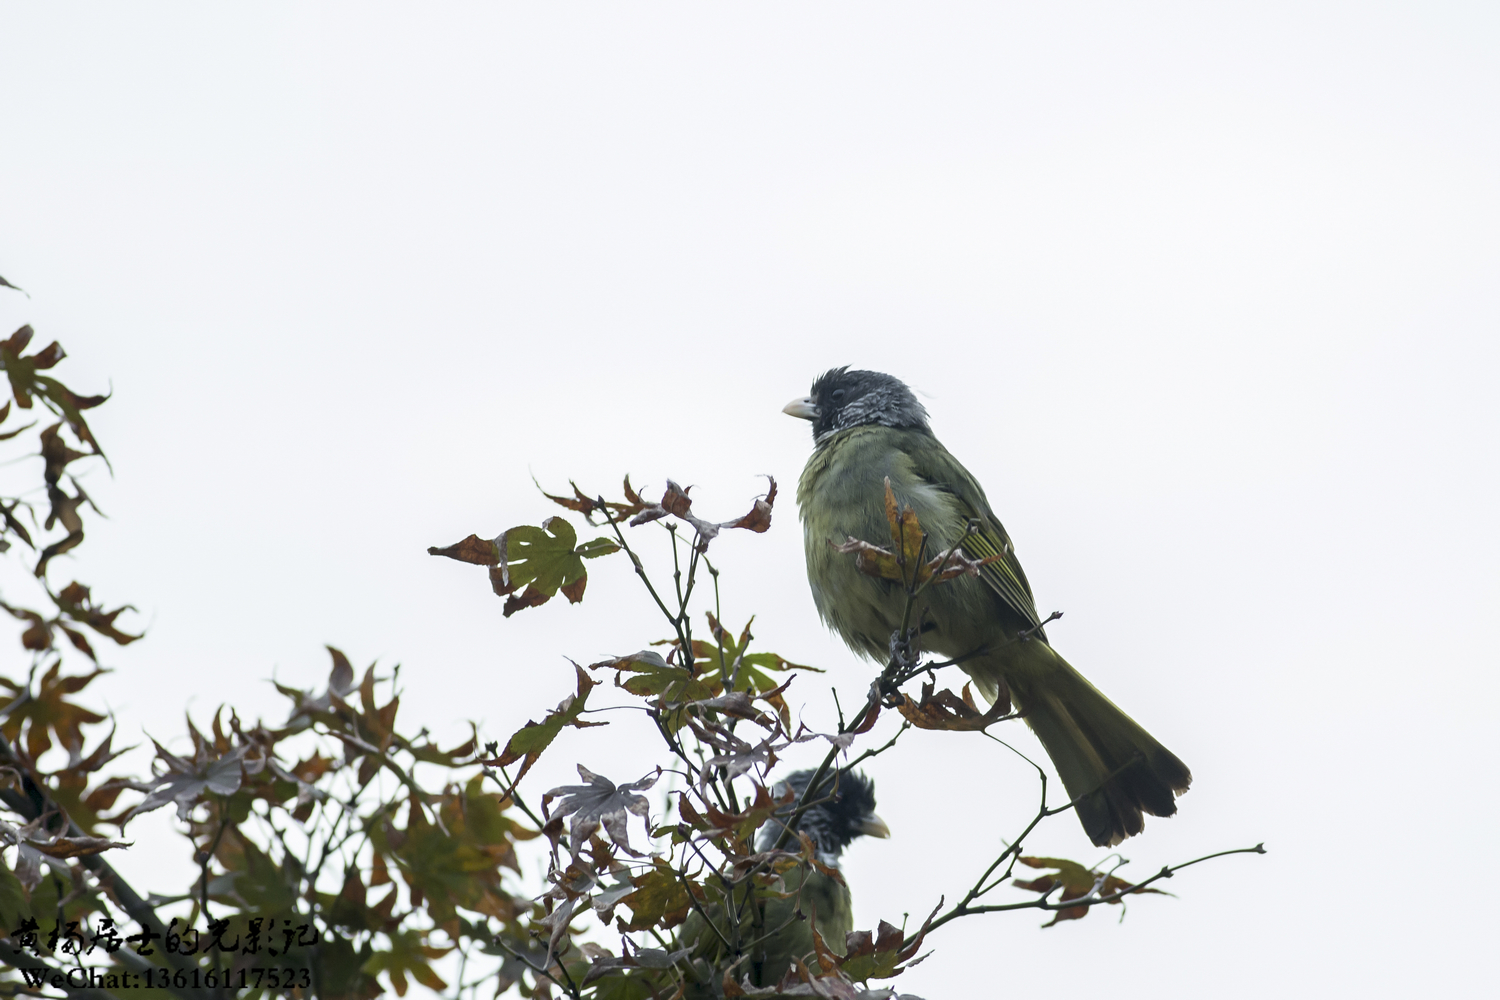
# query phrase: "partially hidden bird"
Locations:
[[843, 810], [868, 427]]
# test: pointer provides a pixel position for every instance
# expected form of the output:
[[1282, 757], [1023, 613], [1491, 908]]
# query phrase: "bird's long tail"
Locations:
[[1113, 768]]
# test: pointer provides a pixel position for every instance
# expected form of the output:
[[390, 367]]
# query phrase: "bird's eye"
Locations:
[[837, 395]]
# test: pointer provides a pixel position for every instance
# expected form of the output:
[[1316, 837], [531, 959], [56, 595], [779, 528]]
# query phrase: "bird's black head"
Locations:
[[842, 398], [847, 814]]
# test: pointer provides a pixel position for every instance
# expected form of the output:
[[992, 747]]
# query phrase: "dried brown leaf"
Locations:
[[473, 549], [945, 710]]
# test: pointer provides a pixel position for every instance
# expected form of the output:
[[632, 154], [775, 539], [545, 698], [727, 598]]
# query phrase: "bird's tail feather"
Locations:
[[1113, 768]]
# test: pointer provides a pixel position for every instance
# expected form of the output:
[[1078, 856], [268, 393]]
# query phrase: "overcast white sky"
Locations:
[[1205, 295]]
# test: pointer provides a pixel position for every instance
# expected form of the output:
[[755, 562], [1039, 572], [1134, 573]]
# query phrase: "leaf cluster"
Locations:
[[374, 857], [386, 849], [700, 889]]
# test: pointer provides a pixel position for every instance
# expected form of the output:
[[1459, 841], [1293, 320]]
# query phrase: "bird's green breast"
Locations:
[[841, 495], [817, 897]]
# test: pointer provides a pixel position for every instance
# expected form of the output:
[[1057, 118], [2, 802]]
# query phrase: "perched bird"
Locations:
[[847, 814], [868, 427]]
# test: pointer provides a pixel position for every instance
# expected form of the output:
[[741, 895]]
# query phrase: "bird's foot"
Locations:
[[904, 649]]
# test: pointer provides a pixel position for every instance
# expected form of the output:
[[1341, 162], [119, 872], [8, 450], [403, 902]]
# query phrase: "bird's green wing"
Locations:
[[932, 462]]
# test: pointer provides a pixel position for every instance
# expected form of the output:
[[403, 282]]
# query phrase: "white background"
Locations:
[[1205, 295]]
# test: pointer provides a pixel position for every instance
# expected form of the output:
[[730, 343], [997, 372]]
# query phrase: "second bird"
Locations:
[[843, 811], [868, 427]]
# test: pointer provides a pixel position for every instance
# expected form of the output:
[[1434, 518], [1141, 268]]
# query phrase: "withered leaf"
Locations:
[[5, 413], [950, 564], [1077, 882], [556, 923], [871, 559], [6, 284], [78, 639], [75, 601], [582, 504], [184, 782], [49, 710], [473, 549], [71, 406], [660, 898], [676, 502], [340, 684], [872, 714], [588, 506], [528, 598], [605, 964], [600, 802], [632, 500], [16, 342], [72, 541], [906, 533], [80, 766], [945, 710], [17, 368], [737, 756], [574, 591], [742, 825], [654, 512], [29, 862], [341, 677], [877, 956], [38, 634], [736, 704], [868, 956], [13, 524], [609, 896], [26, 384], [759, 518], [76, 847], [48, 356], [903, 561], [19, 430]]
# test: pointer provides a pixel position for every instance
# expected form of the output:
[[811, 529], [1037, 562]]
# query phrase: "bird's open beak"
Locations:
[[874, 826], [804, 408]]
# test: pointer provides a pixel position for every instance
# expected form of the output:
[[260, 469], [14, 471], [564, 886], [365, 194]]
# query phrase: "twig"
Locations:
[[538, 970], [640, 571], [1091, 899], [905, 725]]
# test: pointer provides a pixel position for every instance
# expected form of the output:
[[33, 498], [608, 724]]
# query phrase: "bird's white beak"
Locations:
[[874, 826], [804, 408]]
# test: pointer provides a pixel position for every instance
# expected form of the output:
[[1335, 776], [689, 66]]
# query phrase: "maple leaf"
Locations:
[[587, 506], [600, 802], [48, 708], [903, 561], [1077, 882], [184, 782], [528, 742], [544, 560], [946, 710], [660, 898], [677, 503]]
